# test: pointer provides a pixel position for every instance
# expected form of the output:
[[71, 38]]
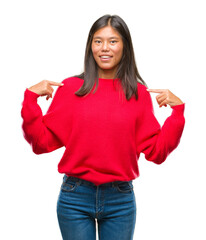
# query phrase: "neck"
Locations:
[[107, 73]]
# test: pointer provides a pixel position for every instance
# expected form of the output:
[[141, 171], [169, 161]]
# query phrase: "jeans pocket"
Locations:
[[125, 187], [68, 185]]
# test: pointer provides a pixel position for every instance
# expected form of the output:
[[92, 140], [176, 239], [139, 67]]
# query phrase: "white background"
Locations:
[[46, 39]]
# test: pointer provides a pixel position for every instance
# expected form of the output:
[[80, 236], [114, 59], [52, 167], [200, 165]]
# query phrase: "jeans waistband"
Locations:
[[87, 183]]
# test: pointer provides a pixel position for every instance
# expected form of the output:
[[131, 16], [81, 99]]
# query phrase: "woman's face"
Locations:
[[107, 49]]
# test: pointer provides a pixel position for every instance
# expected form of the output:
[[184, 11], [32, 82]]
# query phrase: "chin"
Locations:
[[107, 67]]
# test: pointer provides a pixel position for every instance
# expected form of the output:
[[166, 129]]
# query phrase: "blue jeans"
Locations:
[[112, 204]]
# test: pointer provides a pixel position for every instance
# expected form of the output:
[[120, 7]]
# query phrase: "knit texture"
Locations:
[[102, 132]]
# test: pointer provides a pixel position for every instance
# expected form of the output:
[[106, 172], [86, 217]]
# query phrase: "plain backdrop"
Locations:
[[46, 39]]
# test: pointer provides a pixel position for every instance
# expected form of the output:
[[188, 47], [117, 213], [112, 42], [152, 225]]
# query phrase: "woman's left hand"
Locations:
[[165, 97]]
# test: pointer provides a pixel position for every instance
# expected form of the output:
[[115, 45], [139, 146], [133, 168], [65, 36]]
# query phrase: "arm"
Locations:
[[36, 133], [158, 142]]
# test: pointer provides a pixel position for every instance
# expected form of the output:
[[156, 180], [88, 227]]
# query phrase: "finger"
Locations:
[[50, 89], [164, 103], [48, 96], [55, 83], [156, 90], [161, 97]]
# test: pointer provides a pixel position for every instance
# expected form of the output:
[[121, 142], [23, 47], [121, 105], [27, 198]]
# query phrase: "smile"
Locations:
[[105, 57]]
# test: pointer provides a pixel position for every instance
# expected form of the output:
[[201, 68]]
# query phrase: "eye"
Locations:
[[97, 41], [113, 41]]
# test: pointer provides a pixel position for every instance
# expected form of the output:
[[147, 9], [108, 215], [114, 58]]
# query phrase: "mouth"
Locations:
[[105, 57]]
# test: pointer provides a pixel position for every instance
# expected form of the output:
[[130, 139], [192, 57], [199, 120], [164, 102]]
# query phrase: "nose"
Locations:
[[105, 46]]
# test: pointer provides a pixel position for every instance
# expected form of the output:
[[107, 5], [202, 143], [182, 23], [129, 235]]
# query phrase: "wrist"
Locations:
[[31, 92], [176, 103]]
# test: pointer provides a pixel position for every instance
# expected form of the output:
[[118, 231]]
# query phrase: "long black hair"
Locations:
[[127, 71]]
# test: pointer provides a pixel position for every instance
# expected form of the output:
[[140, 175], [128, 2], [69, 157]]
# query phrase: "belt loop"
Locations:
[[79, 182], [65, 177]]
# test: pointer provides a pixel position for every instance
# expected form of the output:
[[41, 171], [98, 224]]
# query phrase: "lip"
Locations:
[[105, 59], [106, 55]]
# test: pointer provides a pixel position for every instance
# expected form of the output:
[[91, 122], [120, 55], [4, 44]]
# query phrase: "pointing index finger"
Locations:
[[55, 83], [155, 90]]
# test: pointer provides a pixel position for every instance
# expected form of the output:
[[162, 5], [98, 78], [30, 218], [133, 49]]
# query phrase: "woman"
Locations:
[[104, 118]]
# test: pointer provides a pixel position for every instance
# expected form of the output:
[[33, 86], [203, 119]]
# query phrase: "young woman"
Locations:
[[104, 119]]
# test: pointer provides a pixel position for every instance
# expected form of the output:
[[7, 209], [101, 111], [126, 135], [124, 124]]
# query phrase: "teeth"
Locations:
[[105, 56]]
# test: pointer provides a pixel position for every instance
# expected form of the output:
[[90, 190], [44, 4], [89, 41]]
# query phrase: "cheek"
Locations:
[[118, 52], [94, 50]]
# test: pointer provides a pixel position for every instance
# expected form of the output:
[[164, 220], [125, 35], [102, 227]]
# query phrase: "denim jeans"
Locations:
[[113, 205]]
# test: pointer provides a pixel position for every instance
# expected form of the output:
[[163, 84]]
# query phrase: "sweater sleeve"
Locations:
[[41, 138], [154, 141]]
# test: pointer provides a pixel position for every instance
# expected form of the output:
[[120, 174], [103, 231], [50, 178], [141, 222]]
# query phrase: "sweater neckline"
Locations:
[[108, 79]]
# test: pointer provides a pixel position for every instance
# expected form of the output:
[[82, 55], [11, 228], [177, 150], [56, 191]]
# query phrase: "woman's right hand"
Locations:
[[44, 88]]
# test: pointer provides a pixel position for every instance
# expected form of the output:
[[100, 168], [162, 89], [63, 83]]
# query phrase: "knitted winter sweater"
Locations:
[[102, 132]]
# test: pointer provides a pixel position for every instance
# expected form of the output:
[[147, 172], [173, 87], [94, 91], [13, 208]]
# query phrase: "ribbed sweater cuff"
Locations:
[[30, 96], [178, 109]]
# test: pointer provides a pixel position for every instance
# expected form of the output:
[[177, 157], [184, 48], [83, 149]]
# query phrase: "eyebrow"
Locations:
[[108, 38]]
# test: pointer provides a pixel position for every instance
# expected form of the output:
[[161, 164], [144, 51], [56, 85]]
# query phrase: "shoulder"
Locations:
[[143, 95], [72, 80], [142, 89], [65, 92], [72, 83]]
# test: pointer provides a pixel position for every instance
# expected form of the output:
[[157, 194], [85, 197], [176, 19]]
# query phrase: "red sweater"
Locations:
[[102, 132]]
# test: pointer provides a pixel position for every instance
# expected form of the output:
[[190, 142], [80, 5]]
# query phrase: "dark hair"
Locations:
[[127, 71]]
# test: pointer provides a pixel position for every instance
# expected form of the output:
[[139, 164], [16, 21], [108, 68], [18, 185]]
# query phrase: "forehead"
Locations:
[[106, 32]]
